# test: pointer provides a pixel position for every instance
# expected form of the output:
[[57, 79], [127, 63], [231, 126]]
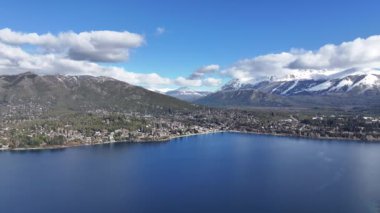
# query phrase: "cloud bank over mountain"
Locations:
[[98, 53], [328, 59], [201, 77], [85, 53]]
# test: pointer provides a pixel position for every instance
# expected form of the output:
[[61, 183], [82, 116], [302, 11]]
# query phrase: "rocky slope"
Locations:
[[81, 93]]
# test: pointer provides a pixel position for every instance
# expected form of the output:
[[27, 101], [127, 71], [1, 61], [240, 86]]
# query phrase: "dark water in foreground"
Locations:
[[224, 172]]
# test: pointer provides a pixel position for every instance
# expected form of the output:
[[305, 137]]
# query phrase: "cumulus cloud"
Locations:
[[212, 82], [94, 46], [198, 78], [328, 59], [208, 82], [260, 67]]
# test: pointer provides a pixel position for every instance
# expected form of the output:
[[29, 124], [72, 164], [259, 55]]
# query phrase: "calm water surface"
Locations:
[[224, 172]]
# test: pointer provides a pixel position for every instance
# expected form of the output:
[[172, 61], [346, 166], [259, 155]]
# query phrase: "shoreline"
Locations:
[[162, 140], [183, 136]]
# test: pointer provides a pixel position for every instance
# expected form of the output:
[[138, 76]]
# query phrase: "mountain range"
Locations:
[[349, 88]]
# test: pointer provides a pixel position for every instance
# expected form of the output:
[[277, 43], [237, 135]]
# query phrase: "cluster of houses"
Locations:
[[166, 126]]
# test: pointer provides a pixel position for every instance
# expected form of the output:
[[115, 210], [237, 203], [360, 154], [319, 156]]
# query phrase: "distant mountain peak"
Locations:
[[234, 84], [187, 94]]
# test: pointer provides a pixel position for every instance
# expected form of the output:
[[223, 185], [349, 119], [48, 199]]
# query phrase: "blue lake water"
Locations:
[[226, 172]]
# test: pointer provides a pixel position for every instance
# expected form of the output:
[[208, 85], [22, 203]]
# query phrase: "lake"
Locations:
[[224, 172]]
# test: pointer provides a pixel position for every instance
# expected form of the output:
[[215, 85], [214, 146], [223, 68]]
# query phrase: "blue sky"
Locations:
[[200, 32]]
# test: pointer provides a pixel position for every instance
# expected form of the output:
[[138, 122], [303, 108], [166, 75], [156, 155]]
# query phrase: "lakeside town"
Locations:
[[39, 130]]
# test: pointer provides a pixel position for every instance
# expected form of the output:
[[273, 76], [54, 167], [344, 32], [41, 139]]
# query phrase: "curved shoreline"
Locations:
[[188, 135]]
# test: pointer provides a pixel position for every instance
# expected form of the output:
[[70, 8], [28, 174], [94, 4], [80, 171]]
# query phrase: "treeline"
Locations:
[[20, 140]]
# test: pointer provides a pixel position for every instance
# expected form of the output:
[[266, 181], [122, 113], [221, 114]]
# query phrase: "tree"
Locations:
[[57, 140]]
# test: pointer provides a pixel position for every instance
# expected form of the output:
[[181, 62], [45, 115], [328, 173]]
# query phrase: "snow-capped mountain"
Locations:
[[187, 94], [349, 87], [349, 81]]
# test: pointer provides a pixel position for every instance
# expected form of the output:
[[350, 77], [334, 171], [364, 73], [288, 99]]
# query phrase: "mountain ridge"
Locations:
[[82, 93], [360, 85]]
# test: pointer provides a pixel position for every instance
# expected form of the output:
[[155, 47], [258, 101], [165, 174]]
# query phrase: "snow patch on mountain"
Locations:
[[234, 84], [290, 88], [369, 81], [343, 83], [354, 72], [320, 87], [275, 89]]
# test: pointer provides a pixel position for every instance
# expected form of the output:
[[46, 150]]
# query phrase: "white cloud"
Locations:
[[260, 67], [188, 82], [160, 30], [329, 58], [198, 78], [95, 46], [208, 82], [212, 82], [348, 54], [201, 72]]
